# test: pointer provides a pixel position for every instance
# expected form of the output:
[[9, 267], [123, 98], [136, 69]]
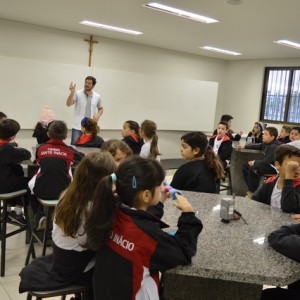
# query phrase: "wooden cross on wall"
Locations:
[[91, 44]]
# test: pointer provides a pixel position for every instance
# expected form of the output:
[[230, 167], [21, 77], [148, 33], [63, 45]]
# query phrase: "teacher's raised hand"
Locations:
[[72, 87]]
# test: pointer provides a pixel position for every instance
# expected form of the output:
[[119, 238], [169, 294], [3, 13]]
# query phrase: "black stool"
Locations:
[[49, 206], [3, 233], [227, 186]]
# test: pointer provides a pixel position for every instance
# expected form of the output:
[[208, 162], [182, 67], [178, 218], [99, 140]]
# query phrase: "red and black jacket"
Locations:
[[128, 267], [54, 175]]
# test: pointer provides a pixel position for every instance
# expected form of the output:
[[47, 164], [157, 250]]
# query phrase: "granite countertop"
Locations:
[[236, 251]]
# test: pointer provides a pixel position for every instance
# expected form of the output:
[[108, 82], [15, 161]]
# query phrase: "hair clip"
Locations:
[[133, 182], [84, 121], [113, 177]]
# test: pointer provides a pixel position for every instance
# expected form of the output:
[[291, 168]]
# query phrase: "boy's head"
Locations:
[[118, 149], [270, 134], [283, 154], [295, 134], [2, 115], [8, 129], [58, 130], [285, 131], [228, 119], [222, 129]]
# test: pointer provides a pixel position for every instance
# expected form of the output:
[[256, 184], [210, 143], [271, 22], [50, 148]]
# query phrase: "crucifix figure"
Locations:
[[91, 43]]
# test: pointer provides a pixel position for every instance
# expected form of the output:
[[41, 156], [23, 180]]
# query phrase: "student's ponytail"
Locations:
[[99, 222], [213, 162], [154, 148], [149, 128]]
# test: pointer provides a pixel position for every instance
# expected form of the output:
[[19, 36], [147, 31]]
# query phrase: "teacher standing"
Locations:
[[87, 104]]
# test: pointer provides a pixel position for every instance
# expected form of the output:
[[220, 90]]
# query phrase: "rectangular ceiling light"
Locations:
[[109, 27], [220, 50], [179, 12], [288, 43]]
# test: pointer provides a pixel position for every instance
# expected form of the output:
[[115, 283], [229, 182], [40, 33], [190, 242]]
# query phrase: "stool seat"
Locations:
[[74, 289], [11, 195], [4, 197]]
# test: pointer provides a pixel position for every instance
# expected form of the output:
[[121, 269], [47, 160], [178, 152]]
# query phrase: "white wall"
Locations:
[[240, 82], [50, 45]]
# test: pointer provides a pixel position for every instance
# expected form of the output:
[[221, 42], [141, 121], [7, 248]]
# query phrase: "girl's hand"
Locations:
[[182, 203], [296, 217], [292, 170], [164, 196]]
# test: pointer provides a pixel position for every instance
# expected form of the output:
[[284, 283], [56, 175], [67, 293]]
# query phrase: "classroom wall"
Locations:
[[240, 82], [33, 42]]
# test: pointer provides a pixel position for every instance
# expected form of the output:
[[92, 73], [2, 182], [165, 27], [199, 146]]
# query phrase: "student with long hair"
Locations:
[[132, 247], [71, 262], [204, 169], [148, 133]]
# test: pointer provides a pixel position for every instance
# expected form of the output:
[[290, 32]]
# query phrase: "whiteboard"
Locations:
[[27, 86]]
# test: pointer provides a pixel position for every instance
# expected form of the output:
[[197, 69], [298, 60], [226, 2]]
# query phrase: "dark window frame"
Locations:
[[288, 96]]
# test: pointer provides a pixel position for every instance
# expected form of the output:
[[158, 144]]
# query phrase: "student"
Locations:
[[55, 159], [285, 240], [257, 132], [203, 171], [41, 128], [283, 191], [253, 170], [118, 149], [131, 136], [132, 248], [221, 143], [148, 133], [89, 137], [284, 136], [11, 172], [295, 134], [70, 262], [228, 119]]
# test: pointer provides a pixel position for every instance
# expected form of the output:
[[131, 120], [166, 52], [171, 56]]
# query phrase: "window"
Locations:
[[281, 95]]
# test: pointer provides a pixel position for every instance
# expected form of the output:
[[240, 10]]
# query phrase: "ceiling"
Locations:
[[249, 28]]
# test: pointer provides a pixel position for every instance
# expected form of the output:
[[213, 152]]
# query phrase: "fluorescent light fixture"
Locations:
[[288, 43], [220, 50], [179, 12], [109, 27]]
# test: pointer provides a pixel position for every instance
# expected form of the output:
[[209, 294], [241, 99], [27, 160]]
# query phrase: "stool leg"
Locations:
[[29, 297], [3, 238], [48, 217], [31, 250]]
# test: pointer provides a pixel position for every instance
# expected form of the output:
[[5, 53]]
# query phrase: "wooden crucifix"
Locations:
[[91, 44]]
